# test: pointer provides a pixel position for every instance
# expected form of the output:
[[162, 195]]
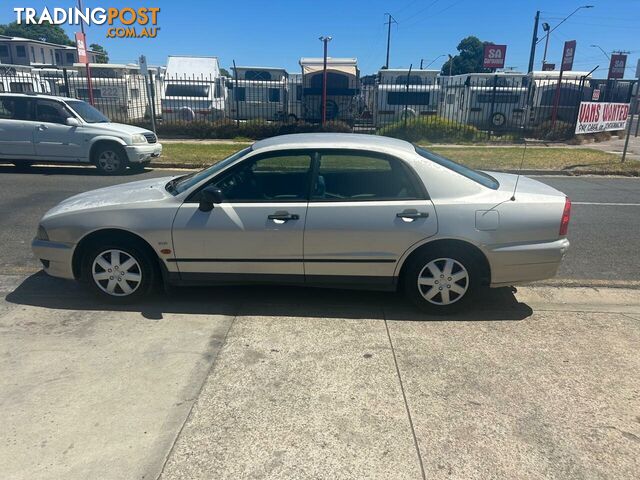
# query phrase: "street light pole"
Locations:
[[325, 41], [432, 61], [546, 28], [605, 53], [564, 20], [450, 63], [389, 22], [534, 41]]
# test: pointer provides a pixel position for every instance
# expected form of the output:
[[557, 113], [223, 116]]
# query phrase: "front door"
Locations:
[[366, 210], [54, 139], [256, 234], [16, 128]]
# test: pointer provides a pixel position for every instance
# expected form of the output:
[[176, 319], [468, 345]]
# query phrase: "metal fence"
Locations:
[[475, 105]]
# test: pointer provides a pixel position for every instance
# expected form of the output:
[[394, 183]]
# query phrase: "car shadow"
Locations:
[[40, 290], [83, 170]]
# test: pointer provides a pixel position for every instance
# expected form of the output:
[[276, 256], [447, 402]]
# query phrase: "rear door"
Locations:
[[16, 128], [53, 138], [256, 234], [366, 209]]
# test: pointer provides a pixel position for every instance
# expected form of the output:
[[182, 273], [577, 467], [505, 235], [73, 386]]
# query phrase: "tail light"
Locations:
[[566, 216]]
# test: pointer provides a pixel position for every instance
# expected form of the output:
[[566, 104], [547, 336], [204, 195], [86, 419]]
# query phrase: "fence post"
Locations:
[[65, 76], [493, 105], [235, 94], [150, 97], [406, 101]]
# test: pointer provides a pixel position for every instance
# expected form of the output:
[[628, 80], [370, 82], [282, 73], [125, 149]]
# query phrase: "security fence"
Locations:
[[401, 103]]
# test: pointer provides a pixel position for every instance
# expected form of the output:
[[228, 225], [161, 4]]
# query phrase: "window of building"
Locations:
[[71, 57], [4, 51], [258, 75], [274, 94], [21, 51]]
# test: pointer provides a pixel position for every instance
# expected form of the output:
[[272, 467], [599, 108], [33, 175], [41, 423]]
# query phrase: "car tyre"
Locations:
[[118, 273], [441, 280], [110, 159]]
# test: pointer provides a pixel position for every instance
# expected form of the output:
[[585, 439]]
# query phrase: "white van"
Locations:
[[488, 101], [401, 94], [193, 89], [258, 93], [574, 88]]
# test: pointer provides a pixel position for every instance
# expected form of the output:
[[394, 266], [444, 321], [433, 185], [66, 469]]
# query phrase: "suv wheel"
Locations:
[[441, 280], [118, 273], [110, 159]]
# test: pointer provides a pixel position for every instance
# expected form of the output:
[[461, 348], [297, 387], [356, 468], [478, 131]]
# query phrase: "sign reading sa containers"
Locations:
[[568, 54], [81, 44], [494, 56], [599, 117], [617, 66]]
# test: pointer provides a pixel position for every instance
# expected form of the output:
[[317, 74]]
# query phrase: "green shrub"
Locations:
[[554, 133], [432, 129]]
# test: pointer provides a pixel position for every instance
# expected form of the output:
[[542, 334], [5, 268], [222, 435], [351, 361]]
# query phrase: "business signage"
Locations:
[[617, 65], [548, 67], [596, 117], [81, 45], [568, 54], [494, 56]]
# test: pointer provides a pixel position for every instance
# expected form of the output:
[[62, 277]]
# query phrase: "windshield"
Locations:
[[480, 177], [87, 112], [184, 183]]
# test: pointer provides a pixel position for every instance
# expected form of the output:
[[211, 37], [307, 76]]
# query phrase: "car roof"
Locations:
[[35, 95], [333, 140]]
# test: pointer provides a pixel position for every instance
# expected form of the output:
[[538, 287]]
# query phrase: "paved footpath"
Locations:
[[292, 383]]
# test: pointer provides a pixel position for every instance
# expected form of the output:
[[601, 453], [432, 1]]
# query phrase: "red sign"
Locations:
[[494, 56], [596, 95], [568, 55], [548, 67], [81, 44], [617, 66]]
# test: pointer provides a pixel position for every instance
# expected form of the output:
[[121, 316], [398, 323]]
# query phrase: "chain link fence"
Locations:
[[417, 105]]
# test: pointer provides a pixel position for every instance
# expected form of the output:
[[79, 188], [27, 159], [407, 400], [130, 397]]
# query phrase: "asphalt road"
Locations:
[[604, 229]]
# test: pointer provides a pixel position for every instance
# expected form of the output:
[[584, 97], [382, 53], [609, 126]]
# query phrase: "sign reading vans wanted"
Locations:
[[568, 54], [599, 117], [494, 56], [617, 65]]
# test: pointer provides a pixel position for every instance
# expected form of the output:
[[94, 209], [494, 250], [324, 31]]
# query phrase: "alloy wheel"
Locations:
[[116, 273], [109, 161], [443, 281]]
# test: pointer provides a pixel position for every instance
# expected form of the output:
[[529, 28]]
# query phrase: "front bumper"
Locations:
[[56, 257], [144, 152], [515, 264]]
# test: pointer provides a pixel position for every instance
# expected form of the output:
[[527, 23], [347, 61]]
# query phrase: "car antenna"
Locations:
[[513, 197]]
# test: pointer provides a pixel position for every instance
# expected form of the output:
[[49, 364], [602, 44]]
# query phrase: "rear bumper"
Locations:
[[526, 263], [56, 257], [143, 153]]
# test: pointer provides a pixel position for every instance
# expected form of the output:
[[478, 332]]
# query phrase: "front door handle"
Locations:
[[42, 128], [283, 217], [411, 215]]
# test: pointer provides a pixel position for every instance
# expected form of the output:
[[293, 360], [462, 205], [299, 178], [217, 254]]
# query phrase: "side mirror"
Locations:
[[208, 197], [72, 122]]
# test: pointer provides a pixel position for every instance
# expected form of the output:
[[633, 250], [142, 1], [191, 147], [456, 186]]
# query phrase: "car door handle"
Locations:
[[282, 217], [42, 128], [411, 215]]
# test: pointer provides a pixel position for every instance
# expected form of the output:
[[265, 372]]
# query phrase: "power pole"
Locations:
[[388, 23], [87, 66], [534, 40]]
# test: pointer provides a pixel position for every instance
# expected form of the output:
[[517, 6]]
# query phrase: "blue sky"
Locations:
[[278, 32]]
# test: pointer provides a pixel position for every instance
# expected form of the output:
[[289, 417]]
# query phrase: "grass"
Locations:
[[577, 160]]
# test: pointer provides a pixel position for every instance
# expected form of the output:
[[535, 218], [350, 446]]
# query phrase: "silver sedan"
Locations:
[[335, 210]]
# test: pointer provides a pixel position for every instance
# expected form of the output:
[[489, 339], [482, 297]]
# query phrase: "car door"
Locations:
[[366, 210], [16, 128], [256, 233], [53, 138]]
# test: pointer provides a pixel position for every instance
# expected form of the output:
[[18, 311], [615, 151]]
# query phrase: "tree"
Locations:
[[46, 32], [469, 60], [224, 72], [102, 54]]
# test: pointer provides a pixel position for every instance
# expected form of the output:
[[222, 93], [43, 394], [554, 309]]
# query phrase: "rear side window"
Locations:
[[363, 176], [479, 177], [12, 108]]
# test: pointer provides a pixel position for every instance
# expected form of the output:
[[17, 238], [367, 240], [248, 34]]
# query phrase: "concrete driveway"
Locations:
[[279, 383]]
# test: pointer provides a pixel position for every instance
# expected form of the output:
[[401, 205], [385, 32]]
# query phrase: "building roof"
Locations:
[[8, 38], [333, 140]]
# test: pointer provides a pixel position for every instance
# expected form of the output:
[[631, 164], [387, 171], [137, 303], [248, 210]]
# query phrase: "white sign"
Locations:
[[144, 69], [600, 117]]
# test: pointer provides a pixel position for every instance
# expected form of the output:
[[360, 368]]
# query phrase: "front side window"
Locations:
[[279, 177], [257, 75], [88, 113], [362, 176], [51, 112], [12, 108]]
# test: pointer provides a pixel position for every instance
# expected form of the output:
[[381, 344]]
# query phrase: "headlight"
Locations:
[[42, 233], [138, 138]]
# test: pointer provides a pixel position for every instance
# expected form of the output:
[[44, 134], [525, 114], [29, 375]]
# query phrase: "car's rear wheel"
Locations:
[[441, 280], [118, 273], [110, 159]]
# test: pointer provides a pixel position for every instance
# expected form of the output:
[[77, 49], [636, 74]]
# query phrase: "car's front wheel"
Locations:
[[441, 280], [118, 273], [110, 159]]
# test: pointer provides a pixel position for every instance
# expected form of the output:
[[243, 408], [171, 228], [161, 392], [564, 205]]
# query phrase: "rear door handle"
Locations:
[[283, 217], [411, 215], [42, 128]]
